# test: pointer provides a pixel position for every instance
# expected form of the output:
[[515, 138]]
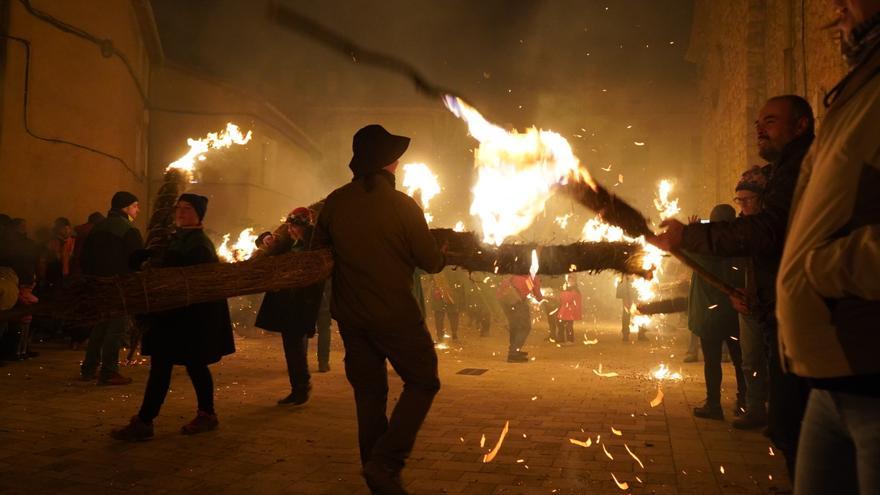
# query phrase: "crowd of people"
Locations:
[[803, 254], [809, 304]]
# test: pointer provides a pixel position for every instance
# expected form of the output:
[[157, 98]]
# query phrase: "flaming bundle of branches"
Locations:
[[465, 251]]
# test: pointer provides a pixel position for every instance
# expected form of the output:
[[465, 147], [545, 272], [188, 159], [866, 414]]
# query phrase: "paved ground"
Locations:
[[53, 429]]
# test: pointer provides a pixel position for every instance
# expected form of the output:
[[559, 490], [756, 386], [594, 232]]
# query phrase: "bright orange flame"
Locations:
[[243, 248], [214, 140], [491, 455], [516, 172], [418, 177]]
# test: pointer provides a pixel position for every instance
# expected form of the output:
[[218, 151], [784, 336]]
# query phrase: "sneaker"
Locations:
[[323, 367], [383, 480], [709, 411], [297, 398], [113, 378], [200, 424], [136, 431], [517, 358], [750, 421]]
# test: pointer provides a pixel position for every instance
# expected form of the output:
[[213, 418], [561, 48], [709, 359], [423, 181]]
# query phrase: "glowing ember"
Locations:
[[633, 455], [607, 453], [604, 374], [771, 451], [459, 226], [616, 431], [562, 221], [588, 443], [656, 401], [662, 373], [516, 172], [214, 140], [622, 486], [483, 441], [722, 469], [533, 269], [491, 455], [242, 250]]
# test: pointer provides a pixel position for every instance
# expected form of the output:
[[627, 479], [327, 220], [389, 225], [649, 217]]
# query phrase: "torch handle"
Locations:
[[706, 275]]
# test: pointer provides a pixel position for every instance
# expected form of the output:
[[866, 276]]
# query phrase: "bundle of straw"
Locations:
[[152, 290]]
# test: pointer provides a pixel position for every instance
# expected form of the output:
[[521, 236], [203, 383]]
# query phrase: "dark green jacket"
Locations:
[[196, 334], [109, 247]]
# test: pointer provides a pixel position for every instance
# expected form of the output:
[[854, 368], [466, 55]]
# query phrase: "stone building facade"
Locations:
[[747, 51]]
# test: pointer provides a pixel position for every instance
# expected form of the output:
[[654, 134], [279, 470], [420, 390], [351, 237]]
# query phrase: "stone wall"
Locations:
[[747, 51]]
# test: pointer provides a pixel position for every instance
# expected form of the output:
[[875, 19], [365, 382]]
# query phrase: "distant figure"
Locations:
[[513, 294], [627, 295], [569, 309], [81, 233]]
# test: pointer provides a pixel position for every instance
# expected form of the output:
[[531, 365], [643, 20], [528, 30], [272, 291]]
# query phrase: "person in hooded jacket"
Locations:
[[194, 336]]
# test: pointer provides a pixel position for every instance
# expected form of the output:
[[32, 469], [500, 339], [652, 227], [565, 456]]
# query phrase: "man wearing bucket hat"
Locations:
[[379, 237]]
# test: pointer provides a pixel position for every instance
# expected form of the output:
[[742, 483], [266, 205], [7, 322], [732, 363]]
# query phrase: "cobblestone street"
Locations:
[[54, 429]]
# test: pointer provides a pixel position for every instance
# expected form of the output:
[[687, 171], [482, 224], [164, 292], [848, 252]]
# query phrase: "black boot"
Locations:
[[298, 397], [709, 411]]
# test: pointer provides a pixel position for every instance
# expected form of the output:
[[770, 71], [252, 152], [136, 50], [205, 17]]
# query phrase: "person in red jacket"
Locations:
[[569, 309]]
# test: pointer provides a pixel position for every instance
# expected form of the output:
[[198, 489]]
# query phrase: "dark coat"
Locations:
[[293, 311], [110, 246], [710, 313], [196, 334], [379, 236], [761, 235]]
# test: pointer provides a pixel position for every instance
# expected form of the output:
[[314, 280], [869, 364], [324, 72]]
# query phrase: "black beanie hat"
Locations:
[[199, 203], [122, 199]]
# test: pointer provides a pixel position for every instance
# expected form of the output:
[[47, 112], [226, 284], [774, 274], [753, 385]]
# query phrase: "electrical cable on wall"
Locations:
[[27, 69], [105, 44]]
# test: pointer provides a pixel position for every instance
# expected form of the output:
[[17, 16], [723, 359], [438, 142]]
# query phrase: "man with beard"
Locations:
[[828, 285], [785, 130]]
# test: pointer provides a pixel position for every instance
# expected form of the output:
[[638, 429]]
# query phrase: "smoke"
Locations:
[[604, 74]]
